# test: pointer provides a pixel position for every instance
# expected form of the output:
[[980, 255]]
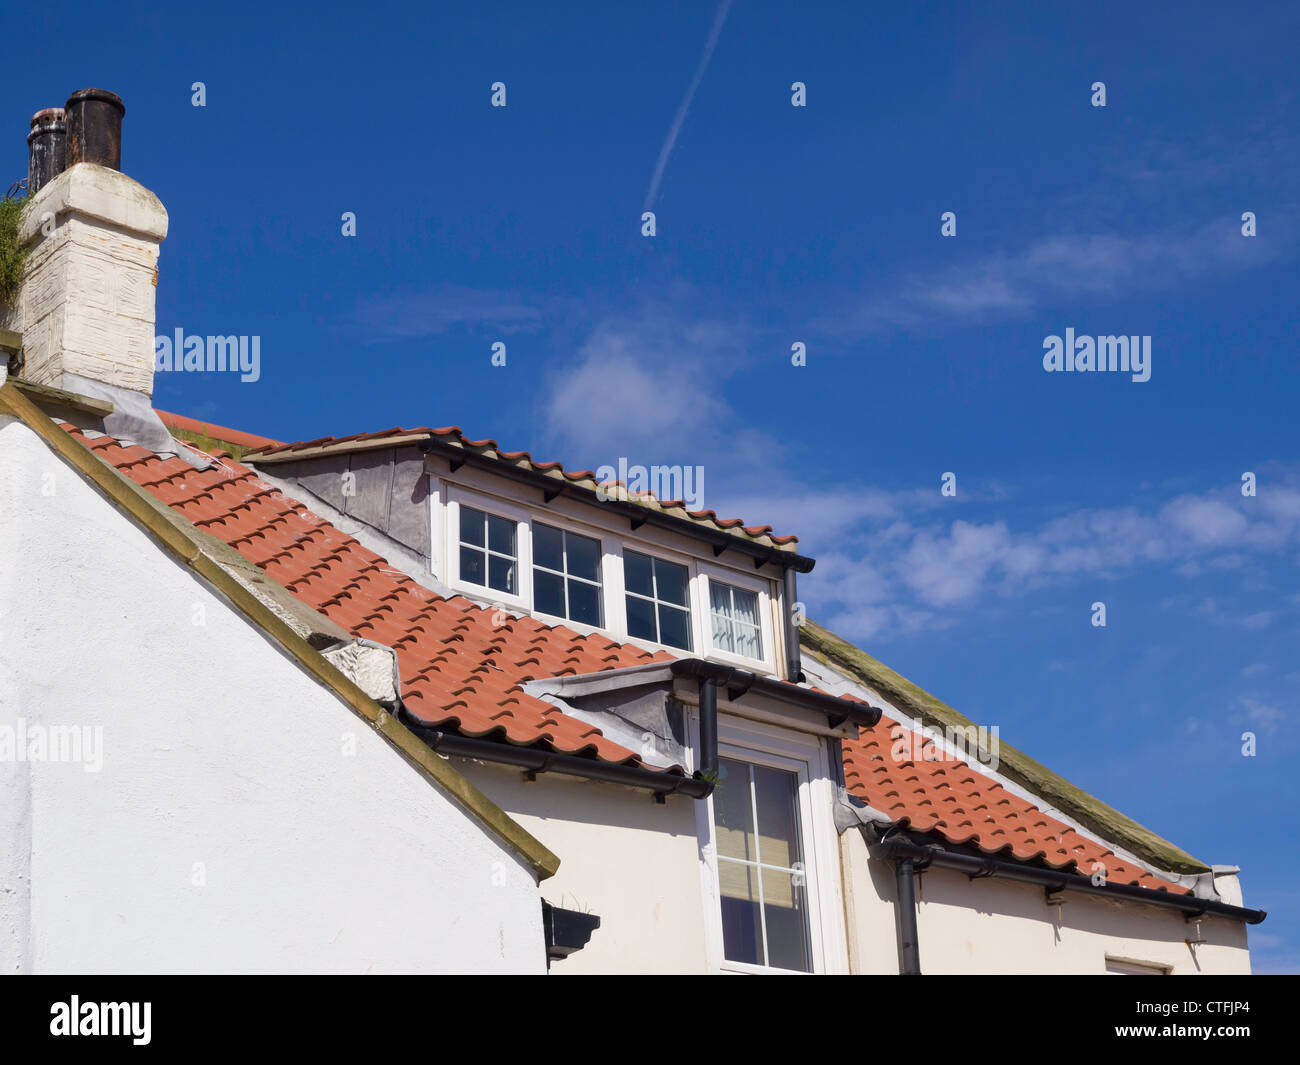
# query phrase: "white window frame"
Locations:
[[808, 757], [450, 526], [687, 563], [706, 646], [445, 499], [603, 570]]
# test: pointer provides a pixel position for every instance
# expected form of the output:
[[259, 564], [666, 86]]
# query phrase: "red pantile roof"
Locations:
[[463, 665], [489, 448], [946, 796]]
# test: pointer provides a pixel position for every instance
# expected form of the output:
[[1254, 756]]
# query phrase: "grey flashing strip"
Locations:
[[923, 856]]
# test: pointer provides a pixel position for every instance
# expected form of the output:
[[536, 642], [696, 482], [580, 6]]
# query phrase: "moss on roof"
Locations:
[[209, 443], [1091, 812]]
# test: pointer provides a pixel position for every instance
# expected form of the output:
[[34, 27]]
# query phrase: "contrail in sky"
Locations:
[[680, 117]]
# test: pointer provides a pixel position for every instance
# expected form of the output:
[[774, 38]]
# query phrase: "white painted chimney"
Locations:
[[86, 307]]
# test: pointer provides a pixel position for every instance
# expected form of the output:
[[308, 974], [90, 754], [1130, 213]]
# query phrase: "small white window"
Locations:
[[761, 871], [566, 575], [489, 553], [658, 600], [733, 613]]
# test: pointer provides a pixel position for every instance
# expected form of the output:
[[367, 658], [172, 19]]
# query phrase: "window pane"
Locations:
[[735, 619], [636, 574], [722, 634], [471, 526], [501, 535], [674, 627], [733, 814], [785, 911], [583, 556], [471, 565], [584, 603], [742, 932], [548, 548], [548, 593], [746, 640], [641, 618], [670, 582], [501, 573], [720, 598], [778, 833], [745, 605]]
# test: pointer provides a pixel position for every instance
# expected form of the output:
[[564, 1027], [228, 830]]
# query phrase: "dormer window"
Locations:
[[734, 615], [589, 570], [658, 600], [489, 554], [566, 575]]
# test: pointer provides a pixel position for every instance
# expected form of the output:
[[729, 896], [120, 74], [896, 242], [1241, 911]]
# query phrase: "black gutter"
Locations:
[[924, 856], [533, 760], [662, 783], [740, 681], [637, 514], [909, 944]]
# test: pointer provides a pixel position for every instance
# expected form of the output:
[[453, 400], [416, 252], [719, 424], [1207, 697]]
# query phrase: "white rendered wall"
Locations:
[[223, 761]]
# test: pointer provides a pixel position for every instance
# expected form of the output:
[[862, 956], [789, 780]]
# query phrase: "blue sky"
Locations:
[[819, 224]]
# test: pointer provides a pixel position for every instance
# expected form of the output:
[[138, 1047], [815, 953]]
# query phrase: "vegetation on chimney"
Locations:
[[13, 256]]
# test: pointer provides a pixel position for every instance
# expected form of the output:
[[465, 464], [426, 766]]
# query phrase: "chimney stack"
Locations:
[[47, 146], [86, 308]]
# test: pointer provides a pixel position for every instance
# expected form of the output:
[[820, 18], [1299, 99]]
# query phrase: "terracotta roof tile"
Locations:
[[462, 670], [944, 795]]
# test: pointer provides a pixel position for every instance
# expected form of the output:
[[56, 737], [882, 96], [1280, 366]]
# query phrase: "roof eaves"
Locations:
[[1088, 810], [186, 543]]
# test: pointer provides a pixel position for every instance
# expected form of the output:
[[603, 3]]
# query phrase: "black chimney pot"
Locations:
[[47, 146], [95, 128]]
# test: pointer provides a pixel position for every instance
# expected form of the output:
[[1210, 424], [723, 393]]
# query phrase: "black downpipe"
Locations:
[[909, 945], [709, 728], [900, 850], [793, 663]]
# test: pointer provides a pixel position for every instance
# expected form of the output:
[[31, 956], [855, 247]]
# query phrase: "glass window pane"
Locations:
[[636, 574], [720, 598], [548, 548], [548, 593], [733, 814], [501, 535], [722, 633], [584, 603], [471, 565], [785, 912], [746, 640], [742, 931], [501, 574], [471, 526], [583, 556], [777, 793], [674, 627], [745, 606], [670, 582], [641, 618]]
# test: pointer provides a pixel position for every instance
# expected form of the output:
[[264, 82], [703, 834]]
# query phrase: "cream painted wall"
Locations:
[[998, 926], [636, 864], [624, 857], [220, 754]]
